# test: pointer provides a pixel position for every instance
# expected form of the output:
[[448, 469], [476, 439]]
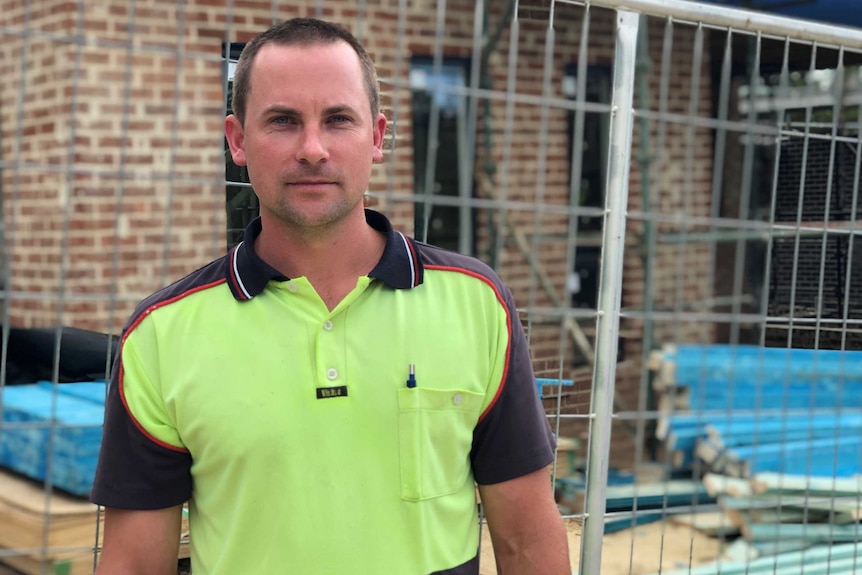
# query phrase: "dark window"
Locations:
[[584, 281], [446, 225], [810, 299], [827, 196]]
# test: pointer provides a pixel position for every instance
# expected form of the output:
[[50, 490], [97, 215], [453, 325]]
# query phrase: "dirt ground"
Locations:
[[638, 551], [644, 544]]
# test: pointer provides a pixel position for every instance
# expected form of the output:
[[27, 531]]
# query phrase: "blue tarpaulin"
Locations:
[[842, 12]]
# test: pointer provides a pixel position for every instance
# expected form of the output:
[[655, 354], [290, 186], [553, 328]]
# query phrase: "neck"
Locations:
[[330, 259]]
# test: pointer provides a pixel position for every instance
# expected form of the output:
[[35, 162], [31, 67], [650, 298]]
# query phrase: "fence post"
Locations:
[[610, 288]]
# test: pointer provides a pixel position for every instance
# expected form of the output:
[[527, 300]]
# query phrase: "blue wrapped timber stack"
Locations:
[[776, 435], [743, 410], [53, 432]]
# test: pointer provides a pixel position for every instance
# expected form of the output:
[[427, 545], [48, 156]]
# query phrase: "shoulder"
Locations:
[[439, 259], [208, 276]]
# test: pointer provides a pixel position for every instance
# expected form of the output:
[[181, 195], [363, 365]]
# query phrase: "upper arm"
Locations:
[[525, 524], [141, 542], [525, 504]]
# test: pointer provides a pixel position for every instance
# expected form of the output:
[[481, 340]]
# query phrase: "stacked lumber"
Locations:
[[53, 429], [787, 524], [744, 410], [48, 532], [777, 512], [820, 560]]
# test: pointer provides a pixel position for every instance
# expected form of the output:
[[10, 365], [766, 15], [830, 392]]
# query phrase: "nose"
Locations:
[[312, 148]]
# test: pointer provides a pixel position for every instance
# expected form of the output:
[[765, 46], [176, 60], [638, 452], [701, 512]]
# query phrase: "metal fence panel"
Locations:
[[745, 411]]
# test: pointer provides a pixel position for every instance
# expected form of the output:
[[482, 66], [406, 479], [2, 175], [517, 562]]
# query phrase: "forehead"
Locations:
[[319, 72]]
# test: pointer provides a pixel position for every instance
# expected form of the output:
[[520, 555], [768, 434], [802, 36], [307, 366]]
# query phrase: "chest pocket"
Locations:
[[435, 434]]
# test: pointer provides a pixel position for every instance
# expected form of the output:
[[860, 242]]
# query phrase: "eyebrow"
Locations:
[[330, 111], [281, 110]]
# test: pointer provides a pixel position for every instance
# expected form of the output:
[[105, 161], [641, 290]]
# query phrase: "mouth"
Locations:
[[311, 183]]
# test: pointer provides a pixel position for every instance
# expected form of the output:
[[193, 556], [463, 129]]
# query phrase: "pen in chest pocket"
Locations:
[[411, 378]]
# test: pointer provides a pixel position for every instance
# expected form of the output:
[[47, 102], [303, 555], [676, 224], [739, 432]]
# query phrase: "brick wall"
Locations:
[[116, 187]]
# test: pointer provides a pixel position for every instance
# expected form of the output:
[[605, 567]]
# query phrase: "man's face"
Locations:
[[309, 139]]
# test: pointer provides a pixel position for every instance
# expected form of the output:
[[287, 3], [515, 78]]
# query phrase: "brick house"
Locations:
[[113, 180]]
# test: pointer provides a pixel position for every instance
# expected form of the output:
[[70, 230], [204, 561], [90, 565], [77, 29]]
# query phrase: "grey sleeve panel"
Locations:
[[471, 567], [133, 471]]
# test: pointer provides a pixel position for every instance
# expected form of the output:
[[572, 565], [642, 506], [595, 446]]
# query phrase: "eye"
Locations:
[[282, 120], [339, 119]]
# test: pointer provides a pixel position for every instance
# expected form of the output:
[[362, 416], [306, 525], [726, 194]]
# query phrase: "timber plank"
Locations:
[[817, 560], [696, 363], [815, 533], [28, 515], [717, 484], [831, 457], [747, 431], [766, 482], [75, 563], [851, 507], [785, 515], [767, 548], [664, 494], [25, 509]]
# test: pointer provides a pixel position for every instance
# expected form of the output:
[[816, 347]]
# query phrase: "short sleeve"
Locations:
[[142, 462], [513, 438]]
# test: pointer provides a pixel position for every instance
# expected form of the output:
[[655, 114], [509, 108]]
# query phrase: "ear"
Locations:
[[379, 131], [235, 139]]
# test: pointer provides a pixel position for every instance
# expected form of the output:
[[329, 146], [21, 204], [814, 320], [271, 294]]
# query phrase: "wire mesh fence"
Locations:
[[670, 189]]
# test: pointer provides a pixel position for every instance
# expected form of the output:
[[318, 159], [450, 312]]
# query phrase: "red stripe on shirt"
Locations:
[[234, 280], [508, 325], [132, 327], [415, 262]]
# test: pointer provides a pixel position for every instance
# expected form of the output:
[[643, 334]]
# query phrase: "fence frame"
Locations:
[[613, 238]]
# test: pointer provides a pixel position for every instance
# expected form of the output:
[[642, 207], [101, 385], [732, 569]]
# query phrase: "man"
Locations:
[[325, 395]]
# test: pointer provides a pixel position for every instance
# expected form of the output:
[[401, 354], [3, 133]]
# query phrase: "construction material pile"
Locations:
[[742, 410], [53, 431], [788, 524], [776, 435]]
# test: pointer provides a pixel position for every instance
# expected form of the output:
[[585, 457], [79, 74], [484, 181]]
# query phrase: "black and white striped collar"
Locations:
[[400, 266]]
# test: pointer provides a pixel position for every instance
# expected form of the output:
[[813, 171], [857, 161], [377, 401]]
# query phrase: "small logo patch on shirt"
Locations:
[[327, 392]]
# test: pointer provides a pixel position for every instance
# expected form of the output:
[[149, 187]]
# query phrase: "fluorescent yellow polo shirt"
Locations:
[[298, 434]]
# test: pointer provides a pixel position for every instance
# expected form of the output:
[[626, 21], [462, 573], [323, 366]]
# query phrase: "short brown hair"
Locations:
[[300, 32]]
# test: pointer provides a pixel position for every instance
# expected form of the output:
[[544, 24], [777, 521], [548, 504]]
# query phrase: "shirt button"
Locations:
[[292, 287], [457, 399], [331, 373], [327, 325]]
